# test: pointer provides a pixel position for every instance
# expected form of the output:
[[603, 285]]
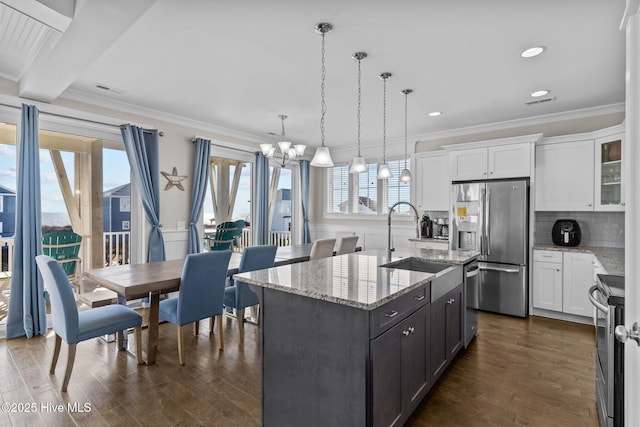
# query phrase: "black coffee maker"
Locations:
[[426, 227]]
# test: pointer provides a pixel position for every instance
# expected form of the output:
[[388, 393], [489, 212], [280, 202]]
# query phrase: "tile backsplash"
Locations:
[[604, 229]]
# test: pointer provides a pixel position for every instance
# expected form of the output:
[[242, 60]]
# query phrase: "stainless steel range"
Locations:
[[607, 296]]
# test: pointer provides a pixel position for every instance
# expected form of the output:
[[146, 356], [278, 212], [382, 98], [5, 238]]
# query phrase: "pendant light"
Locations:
[[322, 158], [383, 169], [405, 176], [358, 164]]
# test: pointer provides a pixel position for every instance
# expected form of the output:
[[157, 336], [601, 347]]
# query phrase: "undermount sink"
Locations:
[[417, 264]]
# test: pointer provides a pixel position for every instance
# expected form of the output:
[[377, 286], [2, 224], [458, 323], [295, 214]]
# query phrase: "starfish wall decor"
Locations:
[[174, 179]]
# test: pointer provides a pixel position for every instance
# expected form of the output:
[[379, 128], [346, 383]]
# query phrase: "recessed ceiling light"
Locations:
[[532, 51], [435, 113], [540, 93]]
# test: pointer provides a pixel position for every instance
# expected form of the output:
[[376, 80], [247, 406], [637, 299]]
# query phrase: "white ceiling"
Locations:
[[239, 64]]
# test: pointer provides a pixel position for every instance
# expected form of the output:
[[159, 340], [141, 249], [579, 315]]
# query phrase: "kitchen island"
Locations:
[[348, 341]]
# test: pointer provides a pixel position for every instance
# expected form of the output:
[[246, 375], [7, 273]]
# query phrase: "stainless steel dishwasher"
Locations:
[[471, 286]]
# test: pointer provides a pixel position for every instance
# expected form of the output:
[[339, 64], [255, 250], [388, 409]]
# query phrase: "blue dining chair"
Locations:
[[200, 295], [73, 326], [238, 295]]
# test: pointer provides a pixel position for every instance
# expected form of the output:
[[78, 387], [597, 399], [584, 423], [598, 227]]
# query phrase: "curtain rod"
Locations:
[[72, 118], [223, 146]]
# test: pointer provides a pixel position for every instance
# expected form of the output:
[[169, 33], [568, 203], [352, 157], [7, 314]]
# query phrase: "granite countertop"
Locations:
[[612, 259], [428, 240], [354, 279]]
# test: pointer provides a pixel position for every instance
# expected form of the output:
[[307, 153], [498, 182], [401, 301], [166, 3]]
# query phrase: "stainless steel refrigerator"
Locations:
[[492, 217]]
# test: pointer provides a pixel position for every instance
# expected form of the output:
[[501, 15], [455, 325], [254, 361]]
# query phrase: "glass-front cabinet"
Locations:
[[609, 185]]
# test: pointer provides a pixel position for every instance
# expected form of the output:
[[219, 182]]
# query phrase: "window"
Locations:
[[125, 204], [338, 184], [396, 189], [363, 193], [368, 190]]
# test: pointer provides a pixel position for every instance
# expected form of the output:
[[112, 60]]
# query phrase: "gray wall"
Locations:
[[605, 229]]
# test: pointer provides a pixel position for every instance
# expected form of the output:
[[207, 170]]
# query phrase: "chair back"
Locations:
[[64, 312], [257, 258], [202, 285], [239, 224], [64, 247], [224, 237], [322, 248], [346, 245]]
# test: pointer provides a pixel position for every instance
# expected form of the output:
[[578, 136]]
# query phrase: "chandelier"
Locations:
[[287, 152]]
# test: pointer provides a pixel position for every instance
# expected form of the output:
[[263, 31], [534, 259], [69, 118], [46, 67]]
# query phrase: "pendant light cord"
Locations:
[[405, 128], [359, 99], [323, 104], [384, 120]]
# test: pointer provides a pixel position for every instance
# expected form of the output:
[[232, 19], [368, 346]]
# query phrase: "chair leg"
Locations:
[[56, 353], [240, 319], [212, 323], [220, 335], [196, 328], [70, 359], [138, 334], [181, 345]]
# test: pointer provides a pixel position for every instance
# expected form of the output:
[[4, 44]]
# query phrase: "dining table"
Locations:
[[151, 280]]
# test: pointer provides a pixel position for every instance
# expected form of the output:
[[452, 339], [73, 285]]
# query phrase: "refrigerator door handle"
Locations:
[[486, 222], [503, 270]]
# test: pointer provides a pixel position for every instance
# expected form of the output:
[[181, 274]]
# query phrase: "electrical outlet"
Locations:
[[180, 225]]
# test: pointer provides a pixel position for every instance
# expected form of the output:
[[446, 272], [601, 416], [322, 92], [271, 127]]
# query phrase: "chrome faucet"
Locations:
[[389, 248]]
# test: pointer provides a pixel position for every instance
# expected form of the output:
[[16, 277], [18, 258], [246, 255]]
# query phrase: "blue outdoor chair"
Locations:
[[200, 295], [73, 326], [239, 296]]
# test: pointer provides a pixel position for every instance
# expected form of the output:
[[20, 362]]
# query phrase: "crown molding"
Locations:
[[529, 121], [100, 101]]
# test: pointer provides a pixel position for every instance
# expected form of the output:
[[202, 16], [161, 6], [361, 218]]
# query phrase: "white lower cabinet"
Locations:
[[561, 280], [577, 278], [547, 280]]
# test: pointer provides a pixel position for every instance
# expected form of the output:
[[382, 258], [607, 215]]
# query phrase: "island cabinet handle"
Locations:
[[419, 297], [407, 331], [392, 313], [451, 301]]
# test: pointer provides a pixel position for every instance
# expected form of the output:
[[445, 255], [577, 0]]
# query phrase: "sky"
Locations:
[[116, 173]]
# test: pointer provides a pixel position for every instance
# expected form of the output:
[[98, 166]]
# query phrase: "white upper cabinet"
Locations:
[[469, 164], [581, 172], [498, 158], [509, 161], [432, 181], [564, 177], [609, 176]]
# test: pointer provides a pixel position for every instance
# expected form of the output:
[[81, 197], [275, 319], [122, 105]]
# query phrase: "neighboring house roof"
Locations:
[[120, 191], [5, 190], [363, 202]]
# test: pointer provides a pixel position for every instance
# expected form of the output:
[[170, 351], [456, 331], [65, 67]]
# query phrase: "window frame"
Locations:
[[382, 193]]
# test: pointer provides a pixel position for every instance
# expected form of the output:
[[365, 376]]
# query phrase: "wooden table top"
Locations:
[[137, 280]]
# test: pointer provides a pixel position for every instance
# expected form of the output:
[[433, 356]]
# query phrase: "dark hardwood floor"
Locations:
[[517, 372]]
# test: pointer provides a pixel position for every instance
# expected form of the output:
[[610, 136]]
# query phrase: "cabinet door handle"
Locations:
[[451, 301], [418, 297], [557, 269], [405, 333], [411, 329], [392, 313]]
